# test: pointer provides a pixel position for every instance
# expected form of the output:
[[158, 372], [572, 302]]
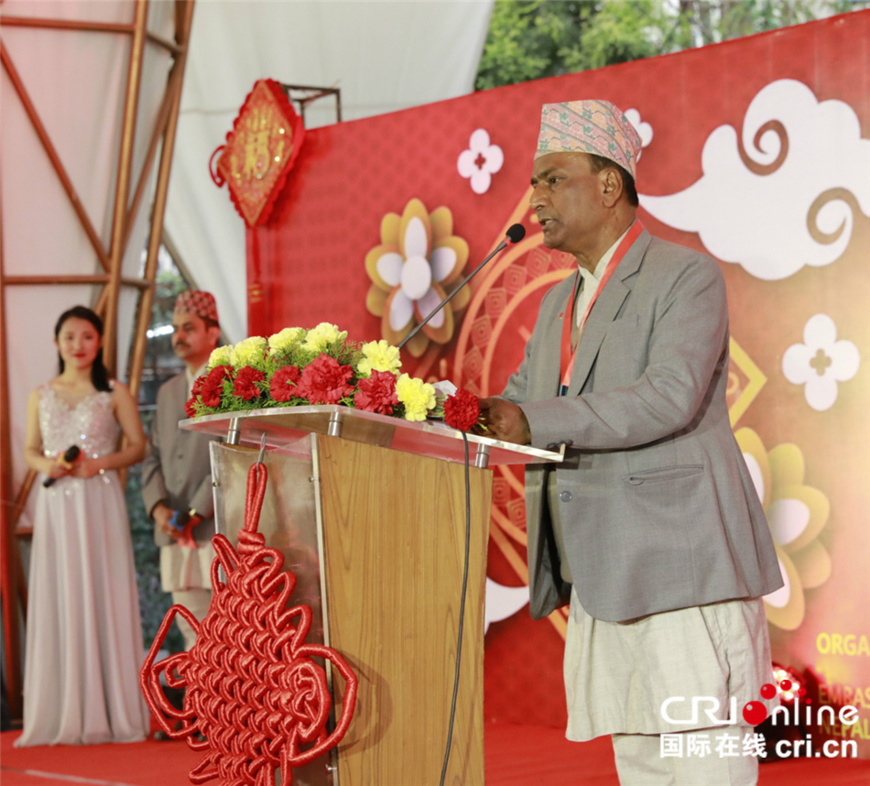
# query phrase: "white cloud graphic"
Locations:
[[785, 195]]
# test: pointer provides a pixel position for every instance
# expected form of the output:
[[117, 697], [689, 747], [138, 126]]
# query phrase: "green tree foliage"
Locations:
[[619, 32], [533, 39]]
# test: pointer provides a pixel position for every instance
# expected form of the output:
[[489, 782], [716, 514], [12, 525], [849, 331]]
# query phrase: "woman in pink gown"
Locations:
[[84, 636]]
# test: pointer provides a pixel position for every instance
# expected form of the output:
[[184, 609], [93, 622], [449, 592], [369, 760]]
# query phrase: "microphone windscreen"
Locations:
[[516, 233]]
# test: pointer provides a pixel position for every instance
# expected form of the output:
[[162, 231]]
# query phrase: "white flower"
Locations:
[[502, 602], [417, 396], [286, 338], [320, 337], [248, 352], [418, 263], [221, 356], [480, 162], [820, 362], [644, 130], [379, 356]]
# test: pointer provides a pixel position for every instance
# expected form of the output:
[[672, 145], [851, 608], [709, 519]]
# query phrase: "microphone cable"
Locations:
[[461, 612]]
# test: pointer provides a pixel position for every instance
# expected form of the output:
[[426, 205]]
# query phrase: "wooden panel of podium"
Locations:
[[373, 524]]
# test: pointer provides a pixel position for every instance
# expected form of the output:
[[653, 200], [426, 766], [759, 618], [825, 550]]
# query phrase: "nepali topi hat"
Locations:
[[199, 302], [591, 126]]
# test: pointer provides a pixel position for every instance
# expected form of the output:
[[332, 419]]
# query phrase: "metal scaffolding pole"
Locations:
[[109, 284]]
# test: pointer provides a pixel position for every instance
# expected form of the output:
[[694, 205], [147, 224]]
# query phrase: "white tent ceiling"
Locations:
[[384, 55]]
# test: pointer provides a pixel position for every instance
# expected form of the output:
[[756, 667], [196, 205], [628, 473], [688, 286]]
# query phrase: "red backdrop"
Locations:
[[767, 207]]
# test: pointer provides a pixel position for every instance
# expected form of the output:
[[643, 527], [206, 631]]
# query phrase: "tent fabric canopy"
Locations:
[[383, 56]]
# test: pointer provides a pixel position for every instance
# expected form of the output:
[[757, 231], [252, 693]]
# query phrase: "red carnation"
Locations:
[[324, 381], [245, 385], [377, 394], [189, 407], [462, 410], [282, 386], [213, 385]]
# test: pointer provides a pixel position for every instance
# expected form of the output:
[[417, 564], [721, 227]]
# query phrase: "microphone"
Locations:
[[183, 524], [515, 233], [71, 454]]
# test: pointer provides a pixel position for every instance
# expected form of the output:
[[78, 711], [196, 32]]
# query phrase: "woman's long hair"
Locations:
[[99, 374]]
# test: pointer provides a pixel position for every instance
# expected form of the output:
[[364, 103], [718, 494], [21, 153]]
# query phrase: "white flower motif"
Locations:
[[779, 598], [480, 162], [820, 362], [502, 602], [418, 263], [797, 513], [643, 129], [415, 274]]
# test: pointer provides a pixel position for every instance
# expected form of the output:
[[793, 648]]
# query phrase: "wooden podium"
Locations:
[[370, 514]]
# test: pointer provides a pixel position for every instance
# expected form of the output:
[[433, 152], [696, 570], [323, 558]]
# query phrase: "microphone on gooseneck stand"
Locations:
[[70, 454], [515, 233]]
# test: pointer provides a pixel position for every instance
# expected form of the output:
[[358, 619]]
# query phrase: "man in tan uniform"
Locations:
[[176, 473]]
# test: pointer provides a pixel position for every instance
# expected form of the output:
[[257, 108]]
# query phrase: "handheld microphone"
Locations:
[[71, 454], [183, 524], [515, 233]]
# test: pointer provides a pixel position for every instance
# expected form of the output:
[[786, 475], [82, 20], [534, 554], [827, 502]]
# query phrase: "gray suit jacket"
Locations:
[[177, 467], [657, 506]]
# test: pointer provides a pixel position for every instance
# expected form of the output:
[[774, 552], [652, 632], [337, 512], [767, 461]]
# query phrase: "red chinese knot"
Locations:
[[253, 689]]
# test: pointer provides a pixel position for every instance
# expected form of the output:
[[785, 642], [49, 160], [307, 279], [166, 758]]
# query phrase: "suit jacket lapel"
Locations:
[[604, 312]]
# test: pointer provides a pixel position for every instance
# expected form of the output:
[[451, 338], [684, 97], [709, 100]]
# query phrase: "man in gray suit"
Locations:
[[651, 529], [176, 473]]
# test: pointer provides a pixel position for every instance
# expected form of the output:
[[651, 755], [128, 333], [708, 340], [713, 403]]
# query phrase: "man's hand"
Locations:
[[505, 421], [162, 515]]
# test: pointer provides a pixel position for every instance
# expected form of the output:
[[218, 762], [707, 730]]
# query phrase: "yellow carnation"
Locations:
[[286, 338], [220, 356], [320, 337], [417, 396], [379, 356], [249, 352]]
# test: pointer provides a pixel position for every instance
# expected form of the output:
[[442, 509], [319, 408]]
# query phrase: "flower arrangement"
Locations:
[[298, 367]]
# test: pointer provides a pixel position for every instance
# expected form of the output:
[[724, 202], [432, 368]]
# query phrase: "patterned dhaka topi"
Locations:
[[200, 303], [591, 126]]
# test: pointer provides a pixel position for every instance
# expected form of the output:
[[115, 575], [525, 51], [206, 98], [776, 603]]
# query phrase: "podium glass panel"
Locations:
[[426, 438]]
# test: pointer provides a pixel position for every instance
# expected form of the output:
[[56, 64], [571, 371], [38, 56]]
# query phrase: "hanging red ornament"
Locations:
[[252, 688]]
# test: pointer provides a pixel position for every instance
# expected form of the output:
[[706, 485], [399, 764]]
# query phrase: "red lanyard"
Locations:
[[567, 365]]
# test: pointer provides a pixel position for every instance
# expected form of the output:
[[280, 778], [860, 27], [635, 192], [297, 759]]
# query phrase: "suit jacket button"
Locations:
[[565, 496]]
